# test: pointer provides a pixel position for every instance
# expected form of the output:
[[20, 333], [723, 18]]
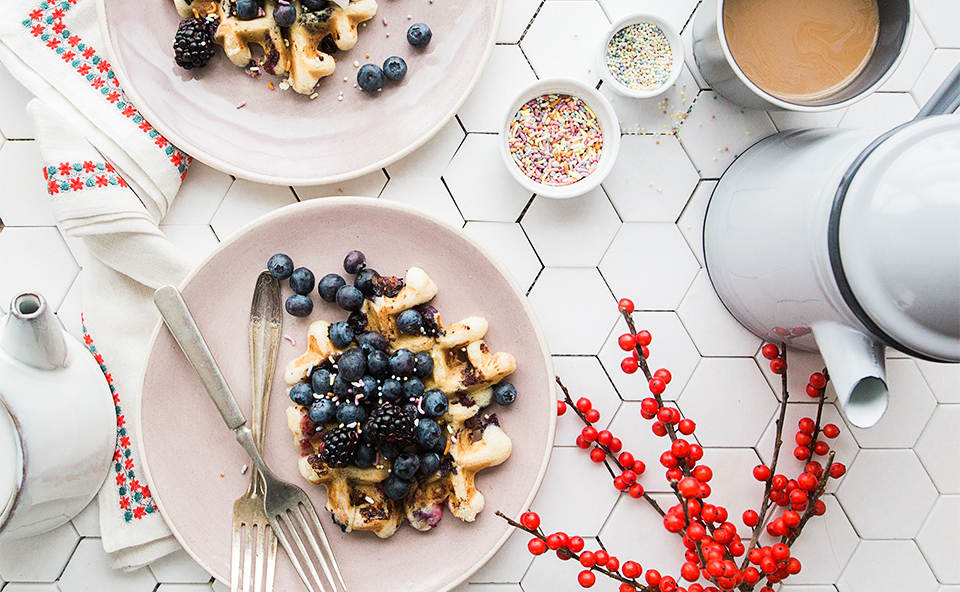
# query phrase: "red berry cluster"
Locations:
[[713, 544]]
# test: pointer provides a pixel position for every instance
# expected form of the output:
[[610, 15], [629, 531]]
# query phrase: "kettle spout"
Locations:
[[856, 366], [31, 333]]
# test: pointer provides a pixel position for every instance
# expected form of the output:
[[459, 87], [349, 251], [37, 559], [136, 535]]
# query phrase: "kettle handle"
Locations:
[[946, 99]]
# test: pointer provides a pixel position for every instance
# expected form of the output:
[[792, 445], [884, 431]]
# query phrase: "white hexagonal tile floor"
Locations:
[[550, 222], [938, 446], [936, 540], [652, 180], [626, 239], [651, 264], [872, 471], [729, 400]]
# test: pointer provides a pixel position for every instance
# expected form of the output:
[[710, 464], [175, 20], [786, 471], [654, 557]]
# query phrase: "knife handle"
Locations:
[[180, 322]]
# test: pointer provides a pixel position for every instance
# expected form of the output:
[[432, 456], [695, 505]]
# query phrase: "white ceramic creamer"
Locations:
[[845, 241], [57, 422]]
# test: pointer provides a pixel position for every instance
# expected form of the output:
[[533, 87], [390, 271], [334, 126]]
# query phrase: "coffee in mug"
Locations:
[[801, 50]]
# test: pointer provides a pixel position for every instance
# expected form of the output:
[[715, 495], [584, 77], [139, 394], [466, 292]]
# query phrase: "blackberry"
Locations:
[[193, 45], [339, 445], [390, 424]]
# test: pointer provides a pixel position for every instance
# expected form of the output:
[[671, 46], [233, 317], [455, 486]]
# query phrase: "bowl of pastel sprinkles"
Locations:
[[641, 56], [559, 138]]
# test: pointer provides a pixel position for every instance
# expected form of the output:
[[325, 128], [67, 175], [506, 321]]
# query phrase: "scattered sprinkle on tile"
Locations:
[[290, 339], [221, 474], [241, 104], [555, 139], [243, 470], [313, 96], [340, 96], [409, 17], [270, 84], [384, 21], [639, 56], [346, 78], [356, 63], [368, 56]]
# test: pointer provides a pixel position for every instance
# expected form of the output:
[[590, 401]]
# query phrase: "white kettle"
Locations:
[[846, 241], [57, 422]]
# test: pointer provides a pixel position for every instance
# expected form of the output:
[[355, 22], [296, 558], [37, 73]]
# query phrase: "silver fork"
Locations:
[[254, 547], [290, 512]]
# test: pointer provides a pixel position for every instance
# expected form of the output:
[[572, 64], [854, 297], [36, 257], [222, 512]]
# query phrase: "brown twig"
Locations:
[[811, 510], [765, 506], [576, 556], [569, 401]]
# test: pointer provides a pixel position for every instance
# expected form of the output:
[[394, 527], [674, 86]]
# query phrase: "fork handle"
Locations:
[[180, 322]]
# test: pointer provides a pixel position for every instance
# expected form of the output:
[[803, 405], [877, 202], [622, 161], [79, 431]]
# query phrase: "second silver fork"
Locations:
[[254, 546]]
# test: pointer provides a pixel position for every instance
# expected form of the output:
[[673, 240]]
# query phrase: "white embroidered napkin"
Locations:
[[98, 152]]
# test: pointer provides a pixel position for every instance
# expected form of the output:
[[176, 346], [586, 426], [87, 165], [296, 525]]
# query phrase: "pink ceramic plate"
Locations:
[[285, 138], [193, 464]]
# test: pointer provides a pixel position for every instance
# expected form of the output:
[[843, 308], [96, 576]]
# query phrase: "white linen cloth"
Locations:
[[112, 178]]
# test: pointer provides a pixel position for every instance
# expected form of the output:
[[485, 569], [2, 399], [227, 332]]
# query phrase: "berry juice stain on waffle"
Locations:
[[390, 406], [297, 38]]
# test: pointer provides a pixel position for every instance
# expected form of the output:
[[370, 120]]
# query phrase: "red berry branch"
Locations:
[[712, 543]]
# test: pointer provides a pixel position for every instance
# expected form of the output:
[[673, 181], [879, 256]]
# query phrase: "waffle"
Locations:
[[294, 51], [464, 369]]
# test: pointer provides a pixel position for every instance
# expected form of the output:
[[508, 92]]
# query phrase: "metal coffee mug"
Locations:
[[717, 66]]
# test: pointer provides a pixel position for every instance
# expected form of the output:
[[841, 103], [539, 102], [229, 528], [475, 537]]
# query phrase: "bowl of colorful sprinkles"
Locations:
[[559, 138], [641, 56]]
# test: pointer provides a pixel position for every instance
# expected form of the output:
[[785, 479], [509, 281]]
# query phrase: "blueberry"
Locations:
[[406, 465], [328, 286], [370, 78], [378, 363], [301, 394], [355, 260], [409, 322], [298, 305], [327, 44], [313, 5], [285, 14], [435, 403], [396, 488], [364, 456], [423, 364], [391, 390], [372, 340], [247, 10], [419, 34], [366, 281], [428, 432], [401, 363], [413, 388], [349, 413], [389, 451], [394, 68], [280, 266], [349, 298], [322, 381], [352, 364], [302, 281], [504, 393], [322, 411], [371, 388], [342, 387], [429, 463], [340, 334]]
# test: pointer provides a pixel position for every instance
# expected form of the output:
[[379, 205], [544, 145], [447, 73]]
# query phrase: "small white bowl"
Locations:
[[676, 47], [609, 128]]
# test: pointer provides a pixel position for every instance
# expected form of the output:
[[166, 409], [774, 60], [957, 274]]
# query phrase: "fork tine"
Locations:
[[271, 557], [235, 559], [282, 535], [323, 559], [259, 557], [306, 507], [247, 557]]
